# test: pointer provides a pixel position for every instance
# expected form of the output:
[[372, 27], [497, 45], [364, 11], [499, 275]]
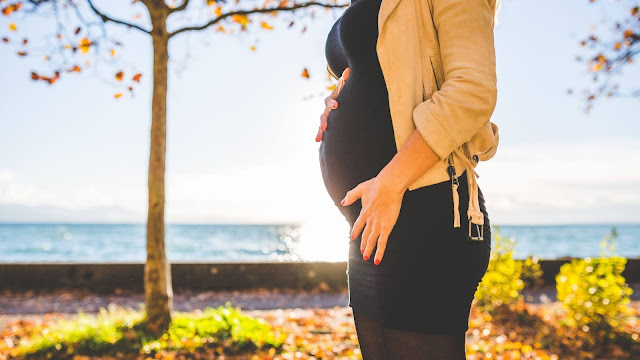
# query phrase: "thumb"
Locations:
[[352, 195]]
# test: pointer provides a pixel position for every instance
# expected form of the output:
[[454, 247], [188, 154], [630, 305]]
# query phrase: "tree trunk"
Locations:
[[157, 271]]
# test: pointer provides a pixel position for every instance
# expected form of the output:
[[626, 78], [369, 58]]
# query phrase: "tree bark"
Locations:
[[157, 271]]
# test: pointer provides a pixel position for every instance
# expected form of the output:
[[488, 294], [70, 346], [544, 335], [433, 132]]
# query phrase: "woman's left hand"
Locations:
[[380, 210]]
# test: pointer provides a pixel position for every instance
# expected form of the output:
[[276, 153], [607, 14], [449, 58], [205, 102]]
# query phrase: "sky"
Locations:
[[242, 123]]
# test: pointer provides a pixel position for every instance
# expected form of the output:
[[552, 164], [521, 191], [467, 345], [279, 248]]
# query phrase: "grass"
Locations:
[[118, 331]]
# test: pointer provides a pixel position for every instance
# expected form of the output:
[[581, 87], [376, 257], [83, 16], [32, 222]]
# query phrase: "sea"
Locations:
[[109, 243]]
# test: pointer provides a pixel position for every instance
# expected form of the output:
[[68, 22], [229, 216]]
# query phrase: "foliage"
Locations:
[[594, 292], [501, 285], [612, 50], [531, 273], [119, 330]]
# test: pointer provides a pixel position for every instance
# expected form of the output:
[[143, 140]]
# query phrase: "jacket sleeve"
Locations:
[[467, 98]]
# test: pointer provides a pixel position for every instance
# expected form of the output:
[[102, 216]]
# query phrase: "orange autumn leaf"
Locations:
[[241, 19], [305, 73], [11, 8], [113, 52], [118, 95], [137, 77], [253, 47], [85, 43], [76, 68], [220, 28], [218, 11], [22, 53], [265, 25], [119, 75], [13, 27]]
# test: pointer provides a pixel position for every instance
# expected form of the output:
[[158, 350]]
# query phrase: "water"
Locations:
[[231, 243]]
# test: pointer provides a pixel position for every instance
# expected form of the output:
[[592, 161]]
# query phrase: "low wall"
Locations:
[[105, 277]]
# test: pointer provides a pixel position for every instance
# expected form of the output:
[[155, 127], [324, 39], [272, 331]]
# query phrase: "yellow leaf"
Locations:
[[218, 11], [117, 95], [85, 44], [266, 26], [240, 19], [113, 52], [253, 47], [13, 27]]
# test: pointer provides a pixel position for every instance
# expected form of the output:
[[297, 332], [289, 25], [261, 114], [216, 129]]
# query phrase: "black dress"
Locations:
[[430, 270]]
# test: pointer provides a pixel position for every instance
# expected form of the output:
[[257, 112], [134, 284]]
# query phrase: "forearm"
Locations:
[[412, 160]]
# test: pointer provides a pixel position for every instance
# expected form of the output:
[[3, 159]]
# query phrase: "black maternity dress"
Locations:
[[430, 271]]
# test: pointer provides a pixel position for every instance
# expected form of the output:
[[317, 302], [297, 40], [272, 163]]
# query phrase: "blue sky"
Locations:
[[242, 123]]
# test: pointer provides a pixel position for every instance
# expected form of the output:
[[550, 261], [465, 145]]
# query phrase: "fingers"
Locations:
[[340, 85], [324, 118], [330, 103], [382, 245], [358, 225], [364, 241], [352, 195], [370, 239]]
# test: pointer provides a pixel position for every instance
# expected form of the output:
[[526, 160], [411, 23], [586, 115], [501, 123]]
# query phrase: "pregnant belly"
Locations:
[[358, 141]]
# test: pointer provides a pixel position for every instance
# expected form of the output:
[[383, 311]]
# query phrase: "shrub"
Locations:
[[531, 273], [594, 292], [116, 330], [501, 285]]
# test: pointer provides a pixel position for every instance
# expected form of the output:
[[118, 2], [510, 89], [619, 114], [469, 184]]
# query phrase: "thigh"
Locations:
[[369, 333], [401, 344]]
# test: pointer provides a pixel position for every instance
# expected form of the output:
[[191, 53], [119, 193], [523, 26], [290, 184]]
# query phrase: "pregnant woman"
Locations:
[[412, 275]]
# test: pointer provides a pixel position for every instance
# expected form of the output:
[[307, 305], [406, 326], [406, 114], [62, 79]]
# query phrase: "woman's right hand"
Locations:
[[330, 103]]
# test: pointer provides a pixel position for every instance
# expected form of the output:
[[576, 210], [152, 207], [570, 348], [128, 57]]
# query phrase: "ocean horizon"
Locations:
[[24, 242]]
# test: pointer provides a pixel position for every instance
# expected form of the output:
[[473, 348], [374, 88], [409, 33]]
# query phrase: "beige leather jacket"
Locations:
[[440, 72]]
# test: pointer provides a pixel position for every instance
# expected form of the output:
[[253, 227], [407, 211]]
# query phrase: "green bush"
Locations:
[[501, 285], [531, 273], [593, 291], [119, 330]]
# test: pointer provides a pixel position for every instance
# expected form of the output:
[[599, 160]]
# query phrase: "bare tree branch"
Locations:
[[254, 11], [106, 18], [181, 7]]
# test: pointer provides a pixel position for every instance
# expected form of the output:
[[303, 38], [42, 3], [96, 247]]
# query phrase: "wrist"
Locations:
[[389, 179]]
